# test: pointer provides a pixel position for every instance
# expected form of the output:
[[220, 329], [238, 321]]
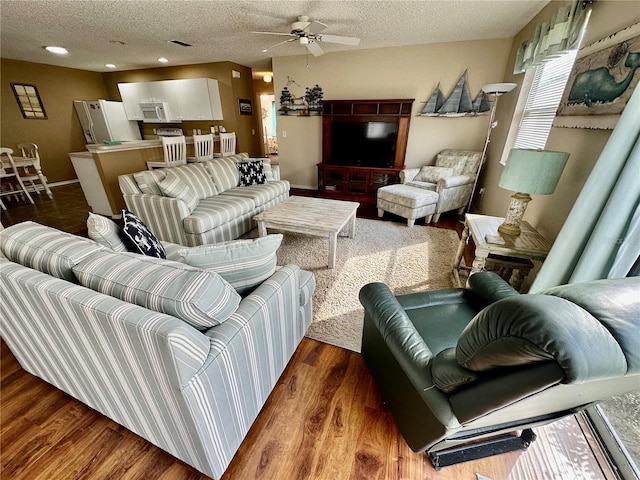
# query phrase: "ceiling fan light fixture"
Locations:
[[304, 40]]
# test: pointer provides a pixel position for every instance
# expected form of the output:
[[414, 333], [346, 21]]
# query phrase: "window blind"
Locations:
[[543, 100]]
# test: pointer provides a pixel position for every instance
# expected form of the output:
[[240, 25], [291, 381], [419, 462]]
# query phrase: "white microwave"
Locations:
[[155, 112]]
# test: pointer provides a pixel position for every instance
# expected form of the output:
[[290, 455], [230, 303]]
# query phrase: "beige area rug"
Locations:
[[406, 259]]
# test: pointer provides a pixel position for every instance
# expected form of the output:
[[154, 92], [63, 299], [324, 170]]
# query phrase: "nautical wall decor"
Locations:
[[601, 82], [457, 104]]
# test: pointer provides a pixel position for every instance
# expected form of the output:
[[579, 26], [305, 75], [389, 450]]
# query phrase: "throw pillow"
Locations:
[[174, 186], [432, 174], [106, 232], [245, 264], [200, 298], [251, 173], [141, 237]]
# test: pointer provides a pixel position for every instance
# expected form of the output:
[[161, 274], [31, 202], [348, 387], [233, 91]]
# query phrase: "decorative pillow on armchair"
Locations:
[[251, 173], [141, 237], [432, 174]]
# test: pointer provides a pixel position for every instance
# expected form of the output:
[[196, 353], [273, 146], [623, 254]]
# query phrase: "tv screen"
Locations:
[[364, 144]]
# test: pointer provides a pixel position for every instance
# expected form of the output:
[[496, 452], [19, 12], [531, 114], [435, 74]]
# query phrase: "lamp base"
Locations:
[[517, 207]]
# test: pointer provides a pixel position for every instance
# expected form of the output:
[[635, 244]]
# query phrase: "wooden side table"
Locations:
[[510, 252]]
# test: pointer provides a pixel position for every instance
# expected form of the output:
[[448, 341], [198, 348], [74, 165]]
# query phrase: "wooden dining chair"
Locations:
[[8, 170], [31, 168], [175, 153], [227, 144], [202, 147]]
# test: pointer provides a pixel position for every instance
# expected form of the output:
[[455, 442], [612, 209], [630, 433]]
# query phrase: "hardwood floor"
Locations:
[[324, 420]]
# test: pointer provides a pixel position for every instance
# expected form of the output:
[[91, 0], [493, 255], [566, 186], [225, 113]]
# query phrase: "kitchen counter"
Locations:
[[130, 145]]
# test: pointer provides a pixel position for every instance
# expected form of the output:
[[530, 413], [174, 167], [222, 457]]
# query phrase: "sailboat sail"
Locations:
[[481, 103], [459, 102], [433, 104]]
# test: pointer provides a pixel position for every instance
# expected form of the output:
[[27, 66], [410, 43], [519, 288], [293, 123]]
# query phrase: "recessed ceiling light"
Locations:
[[163, 60], [57, 50], [109, 65], [267, 78]]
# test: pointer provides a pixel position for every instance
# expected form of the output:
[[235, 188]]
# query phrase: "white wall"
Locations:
[[387, 73]]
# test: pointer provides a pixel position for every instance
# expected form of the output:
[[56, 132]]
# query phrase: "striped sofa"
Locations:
[[213, 208], [191, 381]]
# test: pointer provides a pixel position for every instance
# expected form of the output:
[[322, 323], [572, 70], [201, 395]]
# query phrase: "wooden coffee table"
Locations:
[[319, 217]]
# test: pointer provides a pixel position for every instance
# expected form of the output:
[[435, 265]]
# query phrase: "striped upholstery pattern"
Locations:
[[260, 193], [196, 176], [46, 249], [174, 186], [147, 180], [201, 298], [128, 185], [242, 263], [194, 395], [214, 219], [224, 173], [106, 232], [215, 211]]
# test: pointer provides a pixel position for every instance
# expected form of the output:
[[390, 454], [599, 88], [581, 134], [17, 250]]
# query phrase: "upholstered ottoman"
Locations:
[[407, 202]]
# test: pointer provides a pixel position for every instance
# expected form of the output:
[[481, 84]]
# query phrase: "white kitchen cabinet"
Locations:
[[131, 100], [186, 99]]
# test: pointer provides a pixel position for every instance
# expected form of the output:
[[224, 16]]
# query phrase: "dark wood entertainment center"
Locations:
[[359, 178]]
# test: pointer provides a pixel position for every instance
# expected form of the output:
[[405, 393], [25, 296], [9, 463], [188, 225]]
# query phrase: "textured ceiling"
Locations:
[[221, 30]]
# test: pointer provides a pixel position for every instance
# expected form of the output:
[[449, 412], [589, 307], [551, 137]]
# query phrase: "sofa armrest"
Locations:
[[163, 215], [455, 181], [408, 174]]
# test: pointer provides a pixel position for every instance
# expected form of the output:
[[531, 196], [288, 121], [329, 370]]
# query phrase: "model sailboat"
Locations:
[[433, 104], [458, 104], [480, 103]]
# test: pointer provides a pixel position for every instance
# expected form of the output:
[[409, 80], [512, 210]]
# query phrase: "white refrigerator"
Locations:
[[104, 120]]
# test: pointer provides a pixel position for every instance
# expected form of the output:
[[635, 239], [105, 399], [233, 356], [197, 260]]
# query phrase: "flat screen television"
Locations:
[[364, 144]]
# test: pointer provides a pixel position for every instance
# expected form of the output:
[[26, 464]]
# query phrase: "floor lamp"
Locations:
[[495, 89]]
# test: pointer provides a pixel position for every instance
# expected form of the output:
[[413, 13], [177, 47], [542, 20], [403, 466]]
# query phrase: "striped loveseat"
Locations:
[[201, 203], [189, 371]]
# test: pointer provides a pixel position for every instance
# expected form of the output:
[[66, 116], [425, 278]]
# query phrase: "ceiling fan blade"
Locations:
[[315, 49], [315, 27], [339, 39], [276, 33], [278, 44]]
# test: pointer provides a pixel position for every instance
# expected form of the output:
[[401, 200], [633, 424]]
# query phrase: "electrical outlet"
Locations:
[[284, 134], [253, 131], [481, 191]]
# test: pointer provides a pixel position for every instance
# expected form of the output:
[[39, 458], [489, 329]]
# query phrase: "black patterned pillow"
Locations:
[[251, 173], [141, 237]]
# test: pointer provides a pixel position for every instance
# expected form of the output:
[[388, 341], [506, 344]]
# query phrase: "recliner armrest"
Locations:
[[395, 327], [489, 287]]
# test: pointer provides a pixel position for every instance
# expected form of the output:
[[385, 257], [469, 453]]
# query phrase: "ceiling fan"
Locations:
[[307, 33]]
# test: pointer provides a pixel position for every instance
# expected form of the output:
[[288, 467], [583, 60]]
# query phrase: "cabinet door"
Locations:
[[333, 178], [380, 178], [192, 98], [130, 100], [356, 181]]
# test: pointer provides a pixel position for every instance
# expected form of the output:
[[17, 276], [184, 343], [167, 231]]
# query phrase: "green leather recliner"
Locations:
[[469, 365]]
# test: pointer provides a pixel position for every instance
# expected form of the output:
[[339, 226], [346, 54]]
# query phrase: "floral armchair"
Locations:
[[452, 177]]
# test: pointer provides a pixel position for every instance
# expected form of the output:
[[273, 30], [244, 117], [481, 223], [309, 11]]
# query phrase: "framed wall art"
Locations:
[[245, 106], [601, 82], [29, 101]]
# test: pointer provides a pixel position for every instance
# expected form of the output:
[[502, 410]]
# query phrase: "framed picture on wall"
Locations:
[[245, 106], [29, 101], [601, 82]]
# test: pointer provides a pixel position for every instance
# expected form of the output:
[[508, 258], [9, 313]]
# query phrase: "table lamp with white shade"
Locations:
[[528, 172]]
